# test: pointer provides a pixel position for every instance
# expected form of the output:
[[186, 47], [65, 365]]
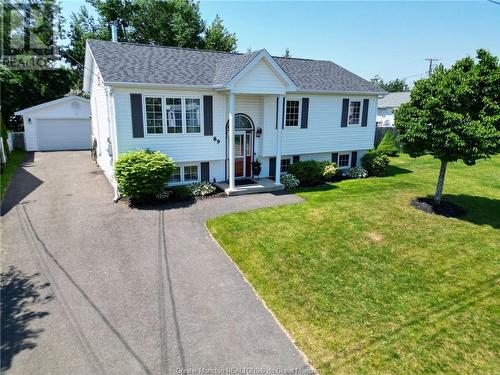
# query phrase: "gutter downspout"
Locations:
[[111, 152]]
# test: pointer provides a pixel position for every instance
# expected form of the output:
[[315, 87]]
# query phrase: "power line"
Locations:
[[431, 60]]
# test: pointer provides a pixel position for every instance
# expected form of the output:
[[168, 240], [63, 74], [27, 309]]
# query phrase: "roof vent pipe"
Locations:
[[114, 32]]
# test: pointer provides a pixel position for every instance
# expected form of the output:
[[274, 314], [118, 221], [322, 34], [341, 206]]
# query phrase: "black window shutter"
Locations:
[[272, 167], [364, 118], [305, 113], [354, 159], [335, 157], [208, 118], [345, 113], [137, 121], [296, 158], [205, 171]]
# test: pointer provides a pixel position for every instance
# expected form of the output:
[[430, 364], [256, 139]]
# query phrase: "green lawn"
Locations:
[[15, 158], [367, 284]]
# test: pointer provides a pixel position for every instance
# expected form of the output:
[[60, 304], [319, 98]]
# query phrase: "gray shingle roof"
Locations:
[[394, 100], [136, 63]]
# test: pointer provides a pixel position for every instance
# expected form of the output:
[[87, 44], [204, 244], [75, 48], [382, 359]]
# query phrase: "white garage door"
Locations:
[[56, 134]]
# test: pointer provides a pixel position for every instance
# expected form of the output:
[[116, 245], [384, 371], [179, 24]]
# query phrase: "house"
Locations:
[[214, 113], [61, 124], [388, 104]]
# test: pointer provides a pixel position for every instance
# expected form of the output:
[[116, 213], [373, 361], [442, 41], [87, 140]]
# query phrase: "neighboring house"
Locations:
[[62, 124], [216, 112], [388, 104]]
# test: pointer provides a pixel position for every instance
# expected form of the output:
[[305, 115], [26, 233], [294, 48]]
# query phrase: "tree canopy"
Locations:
[[218, 38], [160, 22], [175, 23], [396, 85], [25, 88], [454, 114]]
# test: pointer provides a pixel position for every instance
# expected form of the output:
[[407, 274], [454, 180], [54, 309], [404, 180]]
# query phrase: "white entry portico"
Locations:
[[266, 80]]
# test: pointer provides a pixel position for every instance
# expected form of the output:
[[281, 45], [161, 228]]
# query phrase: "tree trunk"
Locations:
[[439, 189]]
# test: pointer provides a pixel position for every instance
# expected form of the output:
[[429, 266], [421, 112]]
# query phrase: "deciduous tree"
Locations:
[[396, 85], [454, 114]]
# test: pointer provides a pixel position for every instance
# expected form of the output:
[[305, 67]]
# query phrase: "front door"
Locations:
[[242, 154]]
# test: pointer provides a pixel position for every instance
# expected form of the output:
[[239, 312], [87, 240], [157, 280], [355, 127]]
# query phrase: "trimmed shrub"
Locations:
[[290, 181], [388, 145], [330, 170], [375, 163], [356, 172], [181, 192], [309, 172], [202, 188], [143, 174]]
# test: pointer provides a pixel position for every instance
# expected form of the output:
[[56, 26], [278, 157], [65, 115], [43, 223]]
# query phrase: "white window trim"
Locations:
[[348, 163], [144, 118], [360, 112], [299, 122], [164, 114], [183, 180], [173, 183]]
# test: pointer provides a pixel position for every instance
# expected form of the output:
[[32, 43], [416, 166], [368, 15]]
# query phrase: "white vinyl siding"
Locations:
[[260, 79], [181, 147], [100, 123], [74, 111], [323, 133]]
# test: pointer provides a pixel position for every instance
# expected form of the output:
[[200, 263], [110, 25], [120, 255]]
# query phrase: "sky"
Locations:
[[391, 39]]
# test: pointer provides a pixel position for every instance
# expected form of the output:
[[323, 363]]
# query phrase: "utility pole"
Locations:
[[430, 64]]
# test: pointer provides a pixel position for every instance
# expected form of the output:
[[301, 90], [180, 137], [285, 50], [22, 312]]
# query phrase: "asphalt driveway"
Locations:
[[92, 287]]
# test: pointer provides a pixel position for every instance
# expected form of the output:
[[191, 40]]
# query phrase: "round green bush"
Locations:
[[388, 145], [143, 174], [375, 163], [309, 172]]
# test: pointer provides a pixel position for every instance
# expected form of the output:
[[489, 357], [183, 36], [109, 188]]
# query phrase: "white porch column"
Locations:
[[231, 141], [278, 139]]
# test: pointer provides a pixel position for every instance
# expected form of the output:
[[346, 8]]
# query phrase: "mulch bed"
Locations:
[[446, 208], [170, 202]]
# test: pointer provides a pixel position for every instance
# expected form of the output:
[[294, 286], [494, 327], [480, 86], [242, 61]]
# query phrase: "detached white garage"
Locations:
[[62, 124]]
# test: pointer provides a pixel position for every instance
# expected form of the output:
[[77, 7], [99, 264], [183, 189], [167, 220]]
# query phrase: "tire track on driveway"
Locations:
[[163, 349], [167, 278], [44, 268], [82, 292]]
